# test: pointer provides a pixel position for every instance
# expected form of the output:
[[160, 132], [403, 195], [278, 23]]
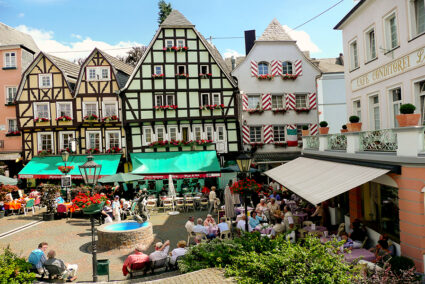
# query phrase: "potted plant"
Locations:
[[323, 129], [90, 204], [344, 129], [305, 131], [407, 117], [354, 124], [48, 193]]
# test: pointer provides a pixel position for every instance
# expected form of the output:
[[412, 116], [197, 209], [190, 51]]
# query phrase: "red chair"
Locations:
[[62, 209]]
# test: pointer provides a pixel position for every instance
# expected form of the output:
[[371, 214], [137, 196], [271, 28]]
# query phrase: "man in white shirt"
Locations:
[[200, 228], [161, 251], [179, 251], [241, 224], [223, 226], [190, 224], [211, 199], [288, 219]]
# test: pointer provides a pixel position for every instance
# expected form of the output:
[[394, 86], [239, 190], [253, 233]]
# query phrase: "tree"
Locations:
[[164, 10], [133, 55], [79, 61]]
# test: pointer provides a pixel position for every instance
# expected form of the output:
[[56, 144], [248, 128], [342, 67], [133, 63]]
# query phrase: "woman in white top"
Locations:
[[116, 208], [179, 251]]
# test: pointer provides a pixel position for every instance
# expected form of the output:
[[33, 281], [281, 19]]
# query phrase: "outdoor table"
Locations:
[[13, 205], [359, 254], [318, 229], [301, 216], [239, 210]]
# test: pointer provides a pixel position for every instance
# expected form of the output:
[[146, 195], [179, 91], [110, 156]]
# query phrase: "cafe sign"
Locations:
[[394, 68]]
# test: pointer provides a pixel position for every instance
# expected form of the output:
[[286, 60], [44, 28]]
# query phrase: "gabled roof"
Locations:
[[118, 64], [238, 60], [274, 32], [11, 36], [174, 19], [328, 65], [346, 17]]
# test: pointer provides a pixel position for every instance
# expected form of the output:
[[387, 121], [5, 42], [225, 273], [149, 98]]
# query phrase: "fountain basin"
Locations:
[[124, 235]]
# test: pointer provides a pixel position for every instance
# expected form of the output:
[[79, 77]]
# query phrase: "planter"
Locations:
[[323, 130], [354, 127], [1, 214], [411, 119], [48, 216], [94, 208], [344, 130], [305, 132]]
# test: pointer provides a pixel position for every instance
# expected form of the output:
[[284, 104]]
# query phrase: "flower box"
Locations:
[[43, 153], [66, 149], [114, 150], [158, 76], [265, 77], [66, 169], [281, 144], [176, 48], [278, 110], [64, 118], [212, 107], [255, 110], [300, 110], [203, 142], [13, 133], [289, 76], [41, 119], [93, 151], [205, 76], [257, 145], [110, 118], [91, 117], [166, 107], [9, 104], [182, 76]]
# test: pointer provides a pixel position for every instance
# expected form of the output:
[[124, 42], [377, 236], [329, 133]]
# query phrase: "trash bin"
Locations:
[[103, 267]]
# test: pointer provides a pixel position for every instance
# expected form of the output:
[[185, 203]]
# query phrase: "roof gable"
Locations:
[[11, 36], [175, 19], [275, 32]]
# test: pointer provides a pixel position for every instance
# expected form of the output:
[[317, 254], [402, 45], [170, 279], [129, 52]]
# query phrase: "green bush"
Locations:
[[323, 124], [400, 264], [305, 127], [407, 109], [354, 119], [14, 269], [344, 126]]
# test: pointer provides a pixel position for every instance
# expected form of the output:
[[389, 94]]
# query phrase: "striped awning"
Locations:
[[317, 180]]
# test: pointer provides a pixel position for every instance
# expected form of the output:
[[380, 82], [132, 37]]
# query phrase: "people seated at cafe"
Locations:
[[37, 257], [107, 212], [254, 221], [275, 195], [68, 271], [288, 219], [199, 227], [161, 251], [358, 233], [179, 251], [279, 227], [349, 243], [391, 247], [190, 224], [223, 226], [261, 207], [382, 254], [137, 257], [272, 208], [242, 224], [209, 221]]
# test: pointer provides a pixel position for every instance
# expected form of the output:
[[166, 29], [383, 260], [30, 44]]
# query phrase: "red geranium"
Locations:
[[83, 200], [245, 186]]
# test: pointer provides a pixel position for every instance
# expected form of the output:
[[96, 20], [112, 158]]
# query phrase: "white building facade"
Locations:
[[278, 94], [385, 60]]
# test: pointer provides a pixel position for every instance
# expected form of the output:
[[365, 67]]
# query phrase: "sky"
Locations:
[[72, 28]]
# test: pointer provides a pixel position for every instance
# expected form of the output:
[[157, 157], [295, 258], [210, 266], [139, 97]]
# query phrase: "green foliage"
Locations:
[[354, 119], [164, 10], [305, 127], [407, 109], [400, 263], [14, 269], [323, 124], [344, 126]]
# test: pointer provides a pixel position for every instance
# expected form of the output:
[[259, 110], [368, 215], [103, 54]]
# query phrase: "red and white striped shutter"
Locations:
[[291, 126], [275, 67], [279, 68], [312, 101], [266, 101], [298, 67], [313, 129], [244, 101], [268, 134], [245, 134], [254, 68], [290, 101]]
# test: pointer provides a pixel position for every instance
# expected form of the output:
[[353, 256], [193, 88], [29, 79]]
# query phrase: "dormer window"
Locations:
[[263, 68], [98, 73], [286, 67]]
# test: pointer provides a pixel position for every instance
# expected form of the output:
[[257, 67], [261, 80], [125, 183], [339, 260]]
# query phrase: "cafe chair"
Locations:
[[167, 204], [180, 205], [151, 205], [204, 204], [225, 235], [157, 264], [307, 223], [201, 236], [62, 209], [29, 205], [190, 235], [302, 233], [138, 267], [190, 204]]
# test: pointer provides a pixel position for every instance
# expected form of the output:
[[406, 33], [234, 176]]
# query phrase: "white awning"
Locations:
[[9, 156], [317, 180]]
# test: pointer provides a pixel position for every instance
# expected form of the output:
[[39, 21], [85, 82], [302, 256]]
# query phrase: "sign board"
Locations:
[[66, 181]]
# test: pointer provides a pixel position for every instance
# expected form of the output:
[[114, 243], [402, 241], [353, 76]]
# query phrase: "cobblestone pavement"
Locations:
[[72, 241], [11, 222], [205, 276]]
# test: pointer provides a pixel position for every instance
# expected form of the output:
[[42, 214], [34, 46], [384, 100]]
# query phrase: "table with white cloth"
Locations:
[[302, 216], [317, 229], [360, 253], [239, 210]]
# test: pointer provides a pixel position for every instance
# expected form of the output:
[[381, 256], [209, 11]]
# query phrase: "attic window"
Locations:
[[45, 80], [169, 43], [204, 69], [98, 73], [180, 43]]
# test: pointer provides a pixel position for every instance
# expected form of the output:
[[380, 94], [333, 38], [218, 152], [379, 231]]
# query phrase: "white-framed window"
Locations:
[[263, 68], [9, 60], [204, 69], [374, 107], [221, 133], [90, 108], [287, 67], [370, 44], [209, 132], [45, 141], [65, 139], [12, 125], [181, 43], [420, 90], [279, 133], [301, 100], [254, 101], [181, 69], [110, 108], [170, 99], [255, 134], [160, 133], [197, 132], [391, 36], [169, 43], [157, 69], [10, 94], [42, 110], [417, 16], [185, 132], [395, 99], [354, 56], [64, 109], [98, 73], [357, 110], [159, 100], [205, 99], [113, 139], [44, 80], [216, 99], [278, 101], [173, 133], [94, 140], [147, 135]]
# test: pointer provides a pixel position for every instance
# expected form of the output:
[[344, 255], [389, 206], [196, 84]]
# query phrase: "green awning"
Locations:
[[47, 167], [191, 164]]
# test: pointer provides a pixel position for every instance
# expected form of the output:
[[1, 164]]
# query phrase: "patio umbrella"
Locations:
[[172, 194], [8, 180], [121, 177], [228, 203]]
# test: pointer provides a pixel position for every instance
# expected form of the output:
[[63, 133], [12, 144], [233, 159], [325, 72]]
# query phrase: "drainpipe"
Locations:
[[423, 256]]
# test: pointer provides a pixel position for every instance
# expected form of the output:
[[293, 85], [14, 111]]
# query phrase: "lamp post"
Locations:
[[244, 163], [90, 172], [65, 157]]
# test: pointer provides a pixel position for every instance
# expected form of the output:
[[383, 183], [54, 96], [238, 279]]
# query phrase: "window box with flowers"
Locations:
[[212, 107], [14, 133], [158, 76], [9, 104], [93, 151], [203, 142], [255, 110], [166, 107], [289, 76], [279, 110], [300, 110], [91, 117], [41, 119], [281, 144], [67, 149], [114, 150], [182, 76], [257, 144], [66, 169], [265, 77], [43, 153], [205, 76], [64, 118], [111, 118]]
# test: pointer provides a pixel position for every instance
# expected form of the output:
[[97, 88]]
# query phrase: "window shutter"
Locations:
[[275, 67], [266, 101], [268, 134], [290, 101], [298, 67], [312, 101], [313, 129], [245, 134], [254, 68], [244, 101]]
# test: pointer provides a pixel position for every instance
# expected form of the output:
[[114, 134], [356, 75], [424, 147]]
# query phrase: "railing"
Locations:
[[384, 140], [312, 142], [337, 142]]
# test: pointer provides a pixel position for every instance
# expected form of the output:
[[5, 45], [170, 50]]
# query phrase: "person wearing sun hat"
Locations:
[[137, 257]]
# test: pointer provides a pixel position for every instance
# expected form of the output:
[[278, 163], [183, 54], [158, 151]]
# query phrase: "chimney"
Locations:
[[233, 60], [249, 40], [340, 60]]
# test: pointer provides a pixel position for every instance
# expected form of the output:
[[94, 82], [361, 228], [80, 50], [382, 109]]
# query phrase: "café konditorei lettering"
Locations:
[[396, 67]]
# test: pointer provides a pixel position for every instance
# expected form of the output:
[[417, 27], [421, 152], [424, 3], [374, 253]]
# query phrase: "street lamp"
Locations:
[[244, 163], [65, 157], [90, 172]]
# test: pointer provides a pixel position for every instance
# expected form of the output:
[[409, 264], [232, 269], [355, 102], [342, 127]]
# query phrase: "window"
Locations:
[[205, 99], [157, 70], [185, 132], [376, 123], [110, 109], [216, 99], [169, 43], [173, 133], [220, 133], [9, 60], [170, 100], [254, 102], [181, 69], [419, 17], [197, 132], [45, 141], [93, 140], [354, 55], [255, 134], [10, 94], [279, 133], [357, 109], [370, 45], [263, 68], [286, 67], [160, 134], [301, 101], [395, 99], [98, 73], [209, 135], [391, 37], [277, 101], [44, 80], [180, 43], [204, 69], [64, 109], [158, 100], [147, 134], [12, 125], [421, 92], [113, 139], [41, 110], [90, 109], [91, 74], [65, 139]]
